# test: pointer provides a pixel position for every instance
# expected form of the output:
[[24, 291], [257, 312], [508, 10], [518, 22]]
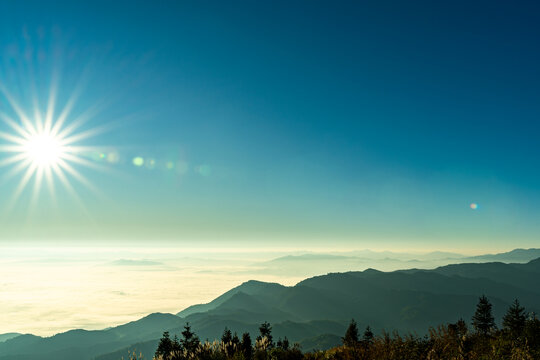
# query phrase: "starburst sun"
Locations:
[[44, 147]]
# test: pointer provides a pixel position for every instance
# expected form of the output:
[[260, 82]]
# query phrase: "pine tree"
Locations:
[[483, 320], [227, 336], [175, 345], [351, 335], [226, 339], [246, 346], [367, 339], [189, 341], [532, 331], [235, 340], [165, 347], [283, 344], [266, 331], [514, 319], [459, 329]]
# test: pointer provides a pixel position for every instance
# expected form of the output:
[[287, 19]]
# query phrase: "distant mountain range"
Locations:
[[310, 264], [516, 255], [315, 312]]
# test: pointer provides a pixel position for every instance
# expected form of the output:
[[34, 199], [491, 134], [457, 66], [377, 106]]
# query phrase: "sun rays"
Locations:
[[43, 147]]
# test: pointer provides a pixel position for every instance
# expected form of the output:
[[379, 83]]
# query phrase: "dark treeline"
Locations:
[[518, 339]]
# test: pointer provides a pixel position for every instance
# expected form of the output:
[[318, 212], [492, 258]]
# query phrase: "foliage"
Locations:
[[483, 320], [165, 347], [245, 346], [189, 341], [518, 340], [514, 320], [266, 333], [351, 335], [367, 339]]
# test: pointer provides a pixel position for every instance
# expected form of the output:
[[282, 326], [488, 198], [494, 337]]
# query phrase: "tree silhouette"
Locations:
[[283, 344], [459, 329], [246, 346], [235, 340], [175, 345], [165, 347], [227, 335], [226, 339], [266, 331], [189, 341], [483, 320], [367, 339], [532, 331], [351, 335], [445, 342], [514, 319]]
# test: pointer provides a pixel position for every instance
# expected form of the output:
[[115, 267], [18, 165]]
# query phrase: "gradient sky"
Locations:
[[366, 124]]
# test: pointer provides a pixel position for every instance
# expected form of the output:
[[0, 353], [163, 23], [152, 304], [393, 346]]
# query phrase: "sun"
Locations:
[[44, 150], [45, 147]]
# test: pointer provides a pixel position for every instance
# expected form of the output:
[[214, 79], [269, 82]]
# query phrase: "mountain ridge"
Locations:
[[405, 300]]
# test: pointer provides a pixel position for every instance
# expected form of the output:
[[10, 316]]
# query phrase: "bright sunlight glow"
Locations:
[[44, 147], [44, 150]]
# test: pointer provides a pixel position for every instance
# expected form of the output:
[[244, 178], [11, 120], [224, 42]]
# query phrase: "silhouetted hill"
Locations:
[[315, 312], [251, 287], [524, 276], [533, 266], [7, 336], [147, 327], [83, 344]]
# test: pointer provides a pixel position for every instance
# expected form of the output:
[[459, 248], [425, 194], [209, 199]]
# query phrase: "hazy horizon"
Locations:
[[47, 290]]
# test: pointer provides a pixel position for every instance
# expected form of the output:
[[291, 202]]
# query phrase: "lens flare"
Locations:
[[44, 147], [474, 206], [138, 161]]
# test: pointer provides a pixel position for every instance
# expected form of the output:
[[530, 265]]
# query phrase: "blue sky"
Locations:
[[370, 124]]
